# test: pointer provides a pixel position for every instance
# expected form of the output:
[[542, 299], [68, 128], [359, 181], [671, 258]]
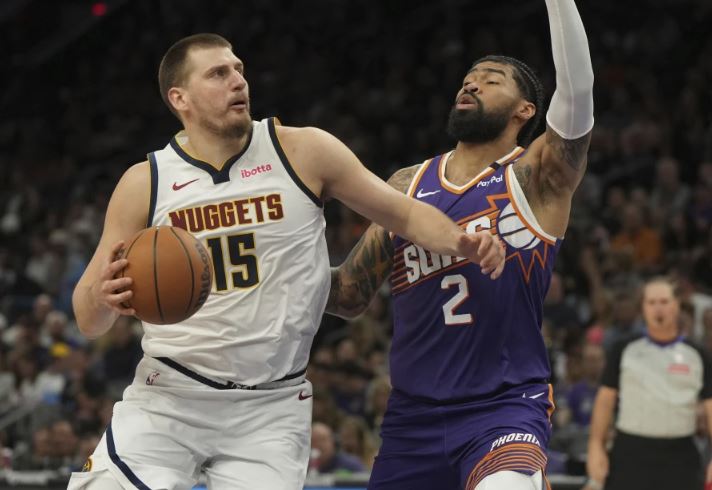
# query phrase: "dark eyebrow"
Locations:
[[215, 67], [239, 64], [491, 70]]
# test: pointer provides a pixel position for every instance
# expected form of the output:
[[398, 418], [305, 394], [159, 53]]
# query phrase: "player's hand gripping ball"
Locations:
[[171, 273]]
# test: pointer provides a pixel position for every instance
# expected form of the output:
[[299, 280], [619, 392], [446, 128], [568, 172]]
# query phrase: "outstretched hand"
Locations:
[[485, 249], [112, 291]]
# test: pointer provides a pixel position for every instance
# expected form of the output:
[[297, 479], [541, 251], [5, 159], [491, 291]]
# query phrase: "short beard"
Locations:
[[233, 131], [476, 125]]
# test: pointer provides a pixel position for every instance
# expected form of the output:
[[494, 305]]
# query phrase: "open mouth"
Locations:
[[239, 105], [467, 102]]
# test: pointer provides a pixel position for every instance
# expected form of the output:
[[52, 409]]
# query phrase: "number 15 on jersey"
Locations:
[[238, 268]]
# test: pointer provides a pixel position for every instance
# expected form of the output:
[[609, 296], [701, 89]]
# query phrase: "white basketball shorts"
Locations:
[[169, 427]]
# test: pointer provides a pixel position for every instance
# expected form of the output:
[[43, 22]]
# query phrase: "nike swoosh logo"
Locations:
[[177, 187], [537, 396], [422, 194], [302, 396]]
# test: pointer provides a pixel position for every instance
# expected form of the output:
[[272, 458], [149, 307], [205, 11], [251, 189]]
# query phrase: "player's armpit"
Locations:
[[355, 282]]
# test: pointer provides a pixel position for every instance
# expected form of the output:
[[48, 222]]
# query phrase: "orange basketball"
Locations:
[[171, 274]]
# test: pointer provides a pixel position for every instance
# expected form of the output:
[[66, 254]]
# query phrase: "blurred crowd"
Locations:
[[81, 108]]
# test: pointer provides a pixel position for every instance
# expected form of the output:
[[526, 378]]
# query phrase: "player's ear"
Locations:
[[178, 98], [526, 110]]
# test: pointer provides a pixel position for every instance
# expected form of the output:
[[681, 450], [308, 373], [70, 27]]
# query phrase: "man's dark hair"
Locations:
[[531, 88], [171, 72]]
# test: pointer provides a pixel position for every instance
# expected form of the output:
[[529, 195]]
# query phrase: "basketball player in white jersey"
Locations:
[[224, 391]]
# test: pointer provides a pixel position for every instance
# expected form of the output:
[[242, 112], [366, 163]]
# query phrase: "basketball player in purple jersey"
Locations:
[[471, 402]]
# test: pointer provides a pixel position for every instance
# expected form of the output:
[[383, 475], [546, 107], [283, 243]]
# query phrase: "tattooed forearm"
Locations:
[[355, 282], [572, 152]]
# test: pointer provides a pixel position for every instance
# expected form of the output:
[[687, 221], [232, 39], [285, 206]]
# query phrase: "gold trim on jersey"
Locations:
[[460, 189]]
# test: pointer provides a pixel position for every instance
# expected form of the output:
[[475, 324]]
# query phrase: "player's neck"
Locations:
[[473, 158], [214, 149]]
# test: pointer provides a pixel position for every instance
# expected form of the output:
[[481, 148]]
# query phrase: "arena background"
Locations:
[[79, 104]]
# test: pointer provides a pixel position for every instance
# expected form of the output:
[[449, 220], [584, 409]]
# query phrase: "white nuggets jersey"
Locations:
[[264, 231]]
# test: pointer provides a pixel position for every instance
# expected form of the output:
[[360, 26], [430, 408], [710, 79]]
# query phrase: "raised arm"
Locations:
[[96, 299], [556, 161], [570, 116], [356, 280]]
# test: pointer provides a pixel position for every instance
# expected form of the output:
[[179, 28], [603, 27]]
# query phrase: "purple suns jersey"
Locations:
[[459, 335]]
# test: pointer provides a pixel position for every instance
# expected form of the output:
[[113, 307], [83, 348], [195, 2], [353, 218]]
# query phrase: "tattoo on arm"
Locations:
[[523, 172], [355, 282], [402, 178], [573, 152]]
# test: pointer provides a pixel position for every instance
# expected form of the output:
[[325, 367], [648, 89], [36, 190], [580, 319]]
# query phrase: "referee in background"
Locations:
[[659, 378]]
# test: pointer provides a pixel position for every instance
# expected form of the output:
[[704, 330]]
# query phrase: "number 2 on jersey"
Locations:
[[463, 292], [243, 267]]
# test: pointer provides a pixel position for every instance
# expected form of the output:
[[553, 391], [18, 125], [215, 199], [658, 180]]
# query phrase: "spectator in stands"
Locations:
[[679, 239], [349, 387], [122, 355], [26, 341], [41, 308], [51, 382], [26, 370], [8, 395], [324, 409], [638, 240], [560, 314], [319, 370], [669, 196], [582, 393], [703, 265], [707, 329], [701, 209], [355, 439], [55, 331], [329, 459], [379, 389], [625, 320], [40, 456], [698, 301], [65, 443]]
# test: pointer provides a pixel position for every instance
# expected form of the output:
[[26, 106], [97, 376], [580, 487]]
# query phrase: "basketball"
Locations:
[[171, 274]]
